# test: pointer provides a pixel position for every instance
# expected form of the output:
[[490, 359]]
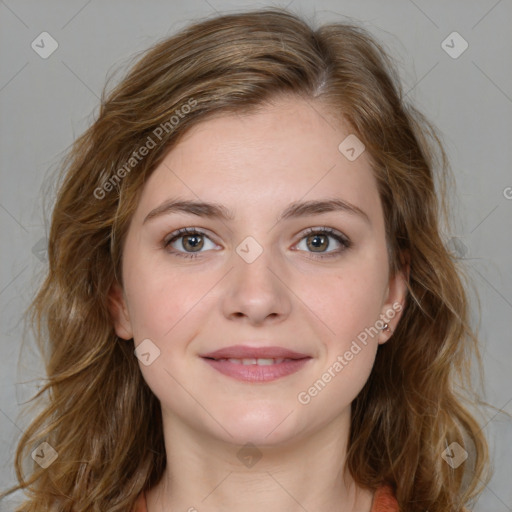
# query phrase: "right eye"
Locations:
[[190, 239]]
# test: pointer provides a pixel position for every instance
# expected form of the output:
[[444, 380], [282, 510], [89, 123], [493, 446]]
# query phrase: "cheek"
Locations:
[[338, 385], [158, 294], [167, 308], [349, 311], [348, 301], [163, 303]]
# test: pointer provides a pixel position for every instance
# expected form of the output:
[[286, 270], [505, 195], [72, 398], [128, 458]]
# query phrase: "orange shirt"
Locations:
[[383, 501]]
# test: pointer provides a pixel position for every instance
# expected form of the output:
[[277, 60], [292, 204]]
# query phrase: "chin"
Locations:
[[261, 424]]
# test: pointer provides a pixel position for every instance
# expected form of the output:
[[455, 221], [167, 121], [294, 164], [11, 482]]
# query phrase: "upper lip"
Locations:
[[246, 352]]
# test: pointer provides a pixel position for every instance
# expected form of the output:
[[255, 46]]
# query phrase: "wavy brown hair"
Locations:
[[99, 414]]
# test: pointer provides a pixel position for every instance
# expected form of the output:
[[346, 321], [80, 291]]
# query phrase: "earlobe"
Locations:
[[119, 312], [394, 303]]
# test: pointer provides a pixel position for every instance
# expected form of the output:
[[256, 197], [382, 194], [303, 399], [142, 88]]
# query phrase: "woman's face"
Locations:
[[276, 271]]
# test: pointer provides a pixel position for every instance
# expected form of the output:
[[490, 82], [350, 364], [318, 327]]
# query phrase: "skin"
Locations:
[[256, 165]]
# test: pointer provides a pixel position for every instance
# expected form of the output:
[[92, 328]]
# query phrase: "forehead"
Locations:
[[260, 162]]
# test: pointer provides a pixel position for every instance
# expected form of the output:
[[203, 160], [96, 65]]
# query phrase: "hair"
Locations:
[[99, 414]]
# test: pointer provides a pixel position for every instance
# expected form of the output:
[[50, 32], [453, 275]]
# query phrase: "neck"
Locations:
[[207, 474]]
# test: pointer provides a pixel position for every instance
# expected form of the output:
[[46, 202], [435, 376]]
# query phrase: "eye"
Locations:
[[317, 240], [192, 240], [189, 242]]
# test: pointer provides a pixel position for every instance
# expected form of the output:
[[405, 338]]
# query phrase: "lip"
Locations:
[[246, 352], [293, 362]]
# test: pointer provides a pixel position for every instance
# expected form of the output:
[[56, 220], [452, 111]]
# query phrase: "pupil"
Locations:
[[318, 241], [195, 243]]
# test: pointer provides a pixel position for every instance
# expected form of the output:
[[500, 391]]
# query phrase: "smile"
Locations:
[[249, 363], [257, 370], [259, 362]]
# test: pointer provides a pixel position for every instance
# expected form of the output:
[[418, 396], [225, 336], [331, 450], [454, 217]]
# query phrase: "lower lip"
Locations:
[[257, 373]]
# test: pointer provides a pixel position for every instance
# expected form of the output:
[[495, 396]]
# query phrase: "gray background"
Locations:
[[46, 103]]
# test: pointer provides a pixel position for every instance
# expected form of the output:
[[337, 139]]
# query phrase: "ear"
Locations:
[[394, 300], [119, 312]]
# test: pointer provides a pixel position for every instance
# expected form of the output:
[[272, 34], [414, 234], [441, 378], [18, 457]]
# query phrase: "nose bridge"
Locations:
[[254, 289]]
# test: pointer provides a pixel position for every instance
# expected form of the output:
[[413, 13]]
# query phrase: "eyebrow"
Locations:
[[218, 211]]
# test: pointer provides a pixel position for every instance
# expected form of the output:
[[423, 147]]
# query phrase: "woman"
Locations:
[[255, 213]]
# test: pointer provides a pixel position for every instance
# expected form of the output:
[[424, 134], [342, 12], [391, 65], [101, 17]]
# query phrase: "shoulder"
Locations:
[[140, 504], [384, 500]]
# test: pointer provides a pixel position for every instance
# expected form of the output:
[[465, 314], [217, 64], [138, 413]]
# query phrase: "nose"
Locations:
[[256, 292]]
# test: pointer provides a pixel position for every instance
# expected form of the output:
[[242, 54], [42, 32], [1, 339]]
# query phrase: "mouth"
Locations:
[[260, 361], [256, 364]]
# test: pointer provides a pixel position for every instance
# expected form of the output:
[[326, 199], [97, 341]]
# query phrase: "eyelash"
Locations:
[[343, 240]]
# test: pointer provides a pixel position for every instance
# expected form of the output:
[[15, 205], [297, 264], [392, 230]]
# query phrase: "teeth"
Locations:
[[259, 362], [266, 362]]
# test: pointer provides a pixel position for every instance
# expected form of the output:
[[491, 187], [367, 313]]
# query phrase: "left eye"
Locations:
[[316, 240]]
